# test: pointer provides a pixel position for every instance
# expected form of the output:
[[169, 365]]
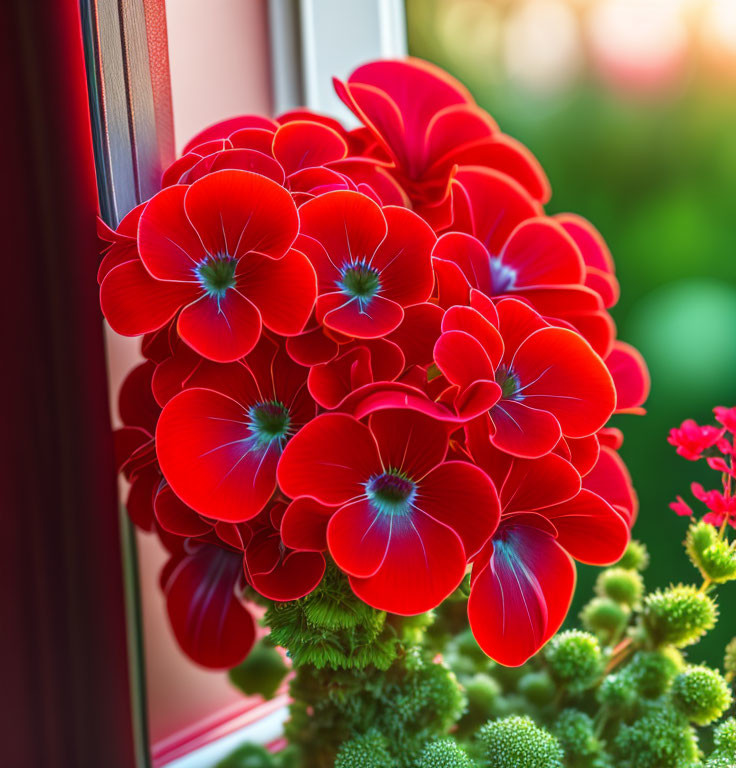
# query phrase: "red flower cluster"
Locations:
[[372, 346], [717, 445]]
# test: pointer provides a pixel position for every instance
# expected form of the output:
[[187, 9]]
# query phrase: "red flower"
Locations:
[[219, 440], [203, 586], [691, 439], [406, 520], [370, 262], [425, 124], [272, 569], [523, 580], [219, 252], [551, 382]]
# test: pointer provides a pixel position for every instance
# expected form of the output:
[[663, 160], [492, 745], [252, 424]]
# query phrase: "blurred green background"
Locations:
[[630, 106]]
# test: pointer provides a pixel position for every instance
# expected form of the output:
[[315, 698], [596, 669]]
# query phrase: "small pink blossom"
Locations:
[[679, 507], [727, 417], [691, 439]]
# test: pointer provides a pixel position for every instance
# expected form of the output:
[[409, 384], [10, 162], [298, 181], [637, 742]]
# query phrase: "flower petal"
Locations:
[[210, 623], [210, 457], [221, 329], [235, 212], [329, 459], [461, 496], [134, 302], [520, 596], [423, 564]]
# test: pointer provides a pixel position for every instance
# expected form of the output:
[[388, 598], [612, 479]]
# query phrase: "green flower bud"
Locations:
[[517, 742], [661, 738], [701, 694], [713, 557], [605, 617], [370, 750], [652, 672], [729, 661], [262, 672], [575, 732], [482, 692], [623, 585], [444, 753], [617, 693], [724, 737], [636, 556], [248, 756], [679, 615], [574, 659], [538, 688]]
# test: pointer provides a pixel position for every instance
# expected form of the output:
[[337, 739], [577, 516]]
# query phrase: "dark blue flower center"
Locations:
[[509, 383], [216, 274], [502, 276], [269, 422], [360, 281], [391, 492]]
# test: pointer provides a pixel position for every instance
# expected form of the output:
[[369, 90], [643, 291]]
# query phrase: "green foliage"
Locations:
[[370, 750], [248, 756], [414, 701], [622, 585], [575, 731], [574, 659], [517, 742], [635, 557], [606, 618], [714, 557], [331, 628], [262, 672], [661, 738], [617, 693], [701, 694], [444, 753], [652, 672], [679, 615]]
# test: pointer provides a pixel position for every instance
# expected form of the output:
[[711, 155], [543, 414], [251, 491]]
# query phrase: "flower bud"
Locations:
[[444, 753], [724, 737], [635, 557], [652, 672], [517, 742], [574, 659], [712, 556], [617, 693], [482, 692], [661, 737], [679, 615], [576, 733], [369, 750], [622, 585], [605, 618], [701, 694]]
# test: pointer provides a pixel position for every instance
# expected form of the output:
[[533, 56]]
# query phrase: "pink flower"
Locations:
[[727, 417], [691, 439], [679, 507]]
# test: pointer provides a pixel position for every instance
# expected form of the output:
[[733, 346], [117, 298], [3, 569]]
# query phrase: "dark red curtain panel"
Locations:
[[64, 686]]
